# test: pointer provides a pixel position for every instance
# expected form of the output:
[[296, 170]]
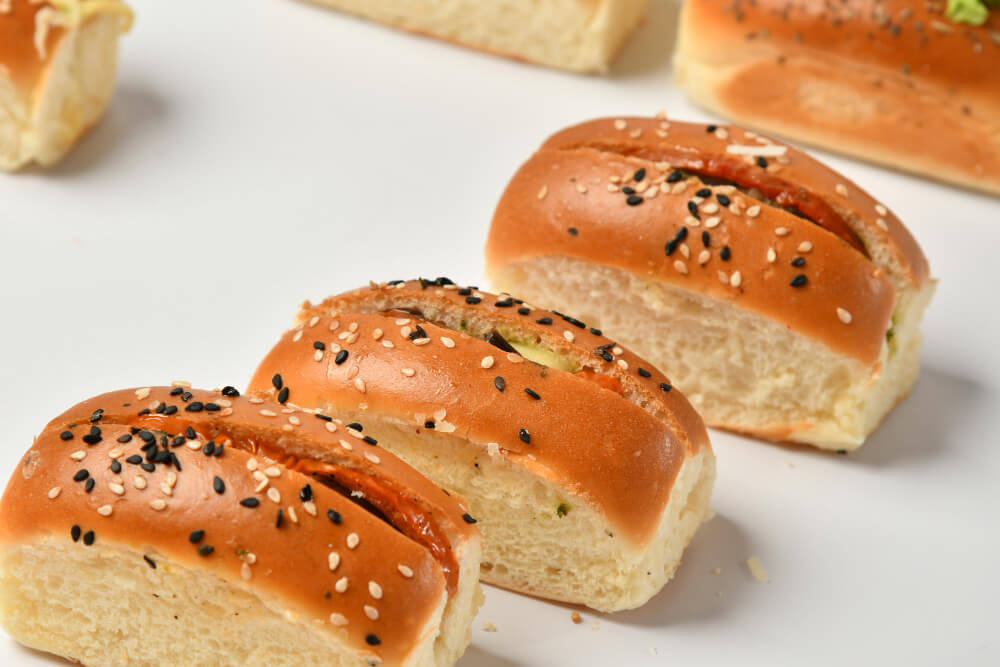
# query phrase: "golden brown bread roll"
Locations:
[[588, 473], [895, 82], [294, 537], [780, 296], [57, 71]]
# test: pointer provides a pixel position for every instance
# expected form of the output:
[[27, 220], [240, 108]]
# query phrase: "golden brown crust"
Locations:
[[156, 511], [918, 91], [568, 200], [444, 380]]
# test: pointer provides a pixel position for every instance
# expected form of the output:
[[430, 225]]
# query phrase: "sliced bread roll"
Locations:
[[588, 473], [181, 527]]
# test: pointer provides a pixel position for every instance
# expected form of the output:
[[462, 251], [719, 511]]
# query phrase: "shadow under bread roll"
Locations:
[[141, 514], [783, 299], [58, 63], [588, 472]]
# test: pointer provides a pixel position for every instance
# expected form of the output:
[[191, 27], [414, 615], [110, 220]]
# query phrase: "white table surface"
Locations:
[[253, 158]]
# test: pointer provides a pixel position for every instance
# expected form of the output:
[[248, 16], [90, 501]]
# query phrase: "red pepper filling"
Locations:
[[395, 505]]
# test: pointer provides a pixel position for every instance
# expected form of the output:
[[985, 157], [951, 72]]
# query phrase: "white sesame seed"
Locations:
[[166, 489], [104, 510], [338, 619], [372, 457], [377, 334], [447, 342], [274, 495], [251, 464], [294, 421], [721, 133], [581, 188], [297, 336], [704, 256], [782, 231], [405, 571], [544, 191], [723, 277], [341, 585], [710, 207], [330, 426], [844, 316], [881, 210], [841, 189], [333, 560], [313, 320], [117, 489], [401, 321], [805, 246], [309, 507], [882, 224], [421, 341], [268, 413], [620, 124], [568, 335], [616, 350], [487, 362], [371, 612], [292, 515], [736, 279], [685, 251], [115, 453], [255, 400], [375, 590], [54, 492], [388, 343], [346, 445], [159, 504], [139, 482], [623, 364], [408, 372], [612, 187], [142, 393], [753, 211], [318, 355], [713, 222], [353, 540], [352, 372], [245, 572], [771, 255], [636, 133], [272, 471], [680, 267], [78, 455], [359, 384]]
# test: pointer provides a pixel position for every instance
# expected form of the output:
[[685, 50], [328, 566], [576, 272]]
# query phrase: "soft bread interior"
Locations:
[[545, 540], [104, 605], [41, 124], [570, 34], [741, 371]]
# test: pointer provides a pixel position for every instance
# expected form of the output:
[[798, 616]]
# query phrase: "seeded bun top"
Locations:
[[423, 363], [104, 474], [642, 194]]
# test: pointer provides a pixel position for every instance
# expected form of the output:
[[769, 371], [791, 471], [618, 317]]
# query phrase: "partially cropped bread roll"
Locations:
[[58, 60], [588, 473], [580, 35], [182, 527], [895, 82], [782, 298]]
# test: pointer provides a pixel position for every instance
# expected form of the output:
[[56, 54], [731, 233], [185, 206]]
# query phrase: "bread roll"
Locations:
[[781, 297], [57, 73], [579, 35], [588, 473], [894, 82], [279, 537]]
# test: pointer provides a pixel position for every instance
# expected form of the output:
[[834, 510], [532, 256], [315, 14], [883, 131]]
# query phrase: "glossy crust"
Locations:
[[290, 561], [567, 200], [924, 90], [628, 477]]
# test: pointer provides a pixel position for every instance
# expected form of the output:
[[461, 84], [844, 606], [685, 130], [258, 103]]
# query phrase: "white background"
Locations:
[[257, 156]]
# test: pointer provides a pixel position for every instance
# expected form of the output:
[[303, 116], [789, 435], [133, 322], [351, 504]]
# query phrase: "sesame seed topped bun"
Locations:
[[57, 72], [740, 265], [554, 432], [301, 527]]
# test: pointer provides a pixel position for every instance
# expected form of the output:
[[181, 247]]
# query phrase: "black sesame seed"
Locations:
[[705, 239], [639, 175], [209, 448], [468, 518], [644, 373], [675, 176], [499, 383], [148, 467], [704, 192], [250, 502], [524, 436], [356, 426], [74, 532], [146, 436], [340, 358], [144, 411], [91, 438], [88, 486], [319, 345], [306, 493], [798, 281], [212, 407], [195, 536], [177, 391], [629, 191], [573, 231], [187, 396], [149, 561], [464, 291], [429, 424], [277, 381], [219, 485], [324, 417], [81, 475], [205, 550], [799, 261], [711, 128], [219, 449], [372, 639], [189, 433], [665, 387], [523, 310], [334, 516], [473, 300], [178, 441], [725, 253], [96, 415], [116, 467], [162, 456], [604, 354], [417, 333], [369, 440], [135, 459], [532, 393], [723, 199], [283, 396], [170, 410], [160, 408], [88, 538], [544, 320], [596, 332], [280, 519], [761, 162], [693, 209], [175, 461], [230, 391], [66, 435], [633, 200], [197, 406]]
